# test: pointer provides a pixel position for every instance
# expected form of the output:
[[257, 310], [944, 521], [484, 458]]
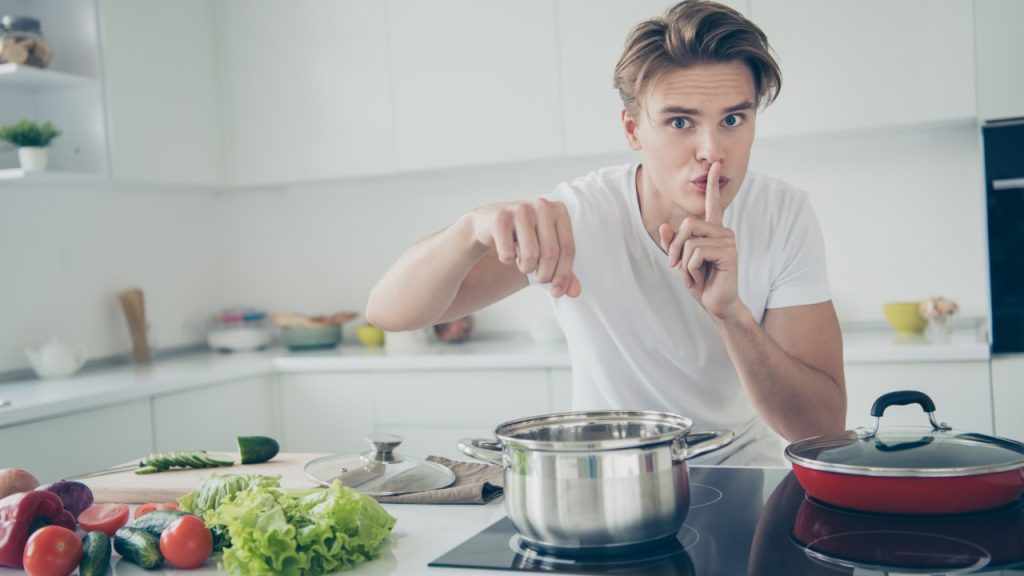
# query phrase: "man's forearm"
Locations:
[[795, 399], [424, 281]]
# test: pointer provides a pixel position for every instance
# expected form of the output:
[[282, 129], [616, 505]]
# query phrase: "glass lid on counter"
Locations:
[[380, 471]]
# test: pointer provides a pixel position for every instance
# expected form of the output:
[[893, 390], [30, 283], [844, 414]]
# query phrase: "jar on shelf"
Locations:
[[22, 42]]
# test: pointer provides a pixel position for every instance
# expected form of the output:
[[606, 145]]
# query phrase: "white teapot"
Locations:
[[55, 359]]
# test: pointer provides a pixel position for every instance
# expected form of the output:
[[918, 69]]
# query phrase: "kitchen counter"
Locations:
[[36, 399]]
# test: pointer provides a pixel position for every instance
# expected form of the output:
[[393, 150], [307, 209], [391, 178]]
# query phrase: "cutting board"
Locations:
[[131, 488]]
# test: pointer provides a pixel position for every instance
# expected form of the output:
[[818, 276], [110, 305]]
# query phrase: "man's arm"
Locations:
[[791, 367], [480, 259]]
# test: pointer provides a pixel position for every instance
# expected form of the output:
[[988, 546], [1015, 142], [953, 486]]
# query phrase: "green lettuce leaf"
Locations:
[[273, 531]]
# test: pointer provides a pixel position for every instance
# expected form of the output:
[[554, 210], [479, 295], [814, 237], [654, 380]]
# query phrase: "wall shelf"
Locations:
[[31, 79]]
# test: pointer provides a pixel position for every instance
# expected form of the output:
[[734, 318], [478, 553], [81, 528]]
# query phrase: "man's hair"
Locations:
[[692, 33]]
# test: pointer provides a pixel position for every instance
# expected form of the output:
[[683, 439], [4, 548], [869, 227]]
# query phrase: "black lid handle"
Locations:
[[901, 398]]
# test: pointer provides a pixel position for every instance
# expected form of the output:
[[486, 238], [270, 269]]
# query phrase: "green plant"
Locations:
[[28, 133]]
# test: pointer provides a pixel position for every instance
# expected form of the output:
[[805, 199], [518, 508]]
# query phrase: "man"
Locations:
[[683, 283]]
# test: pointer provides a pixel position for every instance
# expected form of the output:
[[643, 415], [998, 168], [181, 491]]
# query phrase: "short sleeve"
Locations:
[[801, 277]]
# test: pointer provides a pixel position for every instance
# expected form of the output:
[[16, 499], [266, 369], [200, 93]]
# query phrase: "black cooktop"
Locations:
[[747, 521]]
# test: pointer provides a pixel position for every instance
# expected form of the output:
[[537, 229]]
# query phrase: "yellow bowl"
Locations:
[[905, 317]]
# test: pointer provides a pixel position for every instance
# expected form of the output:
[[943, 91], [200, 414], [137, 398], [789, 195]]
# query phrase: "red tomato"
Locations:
[[187, 543], [106, 518], [52, 551], [151, 506]]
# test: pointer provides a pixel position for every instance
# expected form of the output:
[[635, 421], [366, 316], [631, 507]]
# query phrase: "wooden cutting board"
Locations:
[[131, 488]]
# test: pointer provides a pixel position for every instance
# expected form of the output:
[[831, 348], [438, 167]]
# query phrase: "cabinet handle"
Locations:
[[1008, 184]]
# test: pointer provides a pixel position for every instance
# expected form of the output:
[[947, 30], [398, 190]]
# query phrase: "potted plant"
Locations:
[[32, 141]]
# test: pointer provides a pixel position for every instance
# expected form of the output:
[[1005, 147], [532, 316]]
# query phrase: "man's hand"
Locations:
[[536, 236], [705, 253]]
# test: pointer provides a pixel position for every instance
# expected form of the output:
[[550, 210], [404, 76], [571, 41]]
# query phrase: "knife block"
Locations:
[[134, 307]]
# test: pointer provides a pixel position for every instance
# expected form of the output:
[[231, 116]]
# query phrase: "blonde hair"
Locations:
[[691, 33]]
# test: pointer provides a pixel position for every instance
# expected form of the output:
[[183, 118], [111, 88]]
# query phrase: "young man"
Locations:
[[683, 283]]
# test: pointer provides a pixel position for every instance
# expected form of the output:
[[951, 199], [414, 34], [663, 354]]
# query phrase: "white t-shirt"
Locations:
[[639, 341]]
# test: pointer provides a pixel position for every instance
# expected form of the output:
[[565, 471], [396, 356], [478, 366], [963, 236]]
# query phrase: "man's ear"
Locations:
[[630, 128]]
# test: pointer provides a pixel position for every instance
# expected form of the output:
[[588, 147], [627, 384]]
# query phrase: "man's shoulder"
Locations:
[[768, 194], [600, 189]]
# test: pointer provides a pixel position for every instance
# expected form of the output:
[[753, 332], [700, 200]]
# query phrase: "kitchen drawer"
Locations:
[[211, 418], [61, 447], [328, 413], [461, 398]]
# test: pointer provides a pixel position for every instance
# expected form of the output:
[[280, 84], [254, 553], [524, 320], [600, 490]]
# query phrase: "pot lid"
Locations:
[[380, 471], [907, 451]]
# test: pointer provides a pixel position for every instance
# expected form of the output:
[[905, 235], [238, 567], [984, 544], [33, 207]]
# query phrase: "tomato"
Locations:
[[151, 506], [52, 551], [187, 543], [106, 518]]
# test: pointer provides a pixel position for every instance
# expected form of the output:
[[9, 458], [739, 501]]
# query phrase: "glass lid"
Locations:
[[380, 471], [907, 451]]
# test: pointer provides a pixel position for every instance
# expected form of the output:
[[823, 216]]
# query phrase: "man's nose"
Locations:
[[709, 146]]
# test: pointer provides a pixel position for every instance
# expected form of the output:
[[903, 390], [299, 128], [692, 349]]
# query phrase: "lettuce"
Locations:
[[273, 531]]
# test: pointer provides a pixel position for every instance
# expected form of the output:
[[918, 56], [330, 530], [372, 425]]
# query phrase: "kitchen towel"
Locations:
[[475, 483]]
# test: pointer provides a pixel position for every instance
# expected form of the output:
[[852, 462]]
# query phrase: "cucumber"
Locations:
[[95, 554], [257, 449], [157, 521], [139, 546], [160, 461]]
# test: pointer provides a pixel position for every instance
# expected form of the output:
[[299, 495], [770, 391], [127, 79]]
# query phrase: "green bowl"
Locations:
[[307, 337], [905, 317]]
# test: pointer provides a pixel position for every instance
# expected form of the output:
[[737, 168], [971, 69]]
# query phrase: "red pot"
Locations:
[[934, 470]]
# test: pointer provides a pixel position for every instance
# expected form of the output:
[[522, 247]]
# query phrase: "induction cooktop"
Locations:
[[747, 521]]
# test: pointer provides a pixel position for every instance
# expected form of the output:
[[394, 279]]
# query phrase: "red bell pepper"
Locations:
[[21, 514]]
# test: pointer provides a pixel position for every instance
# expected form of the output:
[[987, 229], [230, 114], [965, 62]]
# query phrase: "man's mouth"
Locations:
[[702, 183]]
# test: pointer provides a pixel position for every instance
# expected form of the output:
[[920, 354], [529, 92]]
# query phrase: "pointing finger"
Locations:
[[712, 196]]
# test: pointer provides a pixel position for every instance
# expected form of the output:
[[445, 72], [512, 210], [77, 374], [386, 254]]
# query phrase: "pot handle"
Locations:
[[481, 449], [696, 443]]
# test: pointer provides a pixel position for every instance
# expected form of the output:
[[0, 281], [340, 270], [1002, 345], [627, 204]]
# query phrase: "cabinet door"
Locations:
[[210, 418], [64, 446], [476, 81], [1000, 49], [162, 68], [960, 390], [432, 410], [308, 91], [328, 413], [870, 63], [1008, 396]]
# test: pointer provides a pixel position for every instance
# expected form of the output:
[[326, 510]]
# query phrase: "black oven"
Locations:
[[1004, 176]]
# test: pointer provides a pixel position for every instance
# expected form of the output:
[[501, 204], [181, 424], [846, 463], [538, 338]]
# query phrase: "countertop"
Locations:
[[36, 399]]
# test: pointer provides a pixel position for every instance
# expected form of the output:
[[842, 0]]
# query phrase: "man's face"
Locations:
[[691, 118]]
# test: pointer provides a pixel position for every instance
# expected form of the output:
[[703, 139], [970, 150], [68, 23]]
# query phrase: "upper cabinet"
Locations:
[[308, 90], [868, 64], [163, 91], [475, 81], [1000, 49]]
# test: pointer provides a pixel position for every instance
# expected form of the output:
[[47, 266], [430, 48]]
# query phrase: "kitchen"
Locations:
[[212, 172]]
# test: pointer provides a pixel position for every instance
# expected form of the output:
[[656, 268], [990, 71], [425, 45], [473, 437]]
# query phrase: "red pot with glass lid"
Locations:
[[910, 470]]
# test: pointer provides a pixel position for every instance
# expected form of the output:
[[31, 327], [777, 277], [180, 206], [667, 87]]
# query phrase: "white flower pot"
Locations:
[[33, 158]]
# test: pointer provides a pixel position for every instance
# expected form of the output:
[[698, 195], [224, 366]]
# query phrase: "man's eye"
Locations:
[[733, 120], [679, 123]]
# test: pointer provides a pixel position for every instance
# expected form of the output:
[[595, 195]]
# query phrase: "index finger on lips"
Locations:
[[564, 281], [713, 196]]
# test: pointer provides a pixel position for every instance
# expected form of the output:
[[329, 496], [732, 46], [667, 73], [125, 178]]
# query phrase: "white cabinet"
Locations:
[[475, 81], [212, 417], [308, 94], [162, 69], [999, 42], [430, 409], [92, 440], [868, 64], [1008, 395], [960, 390]]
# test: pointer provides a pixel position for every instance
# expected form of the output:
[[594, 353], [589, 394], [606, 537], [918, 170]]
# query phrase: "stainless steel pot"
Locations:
[[596, 482]]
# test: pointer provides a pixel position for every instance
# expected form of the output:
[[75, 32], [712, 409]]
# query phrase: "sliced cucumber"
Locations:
[[257, 449]]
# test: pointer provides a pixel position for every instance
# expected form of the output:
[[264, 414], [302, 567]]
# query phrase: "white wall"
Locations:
[[65, 253]]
